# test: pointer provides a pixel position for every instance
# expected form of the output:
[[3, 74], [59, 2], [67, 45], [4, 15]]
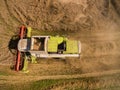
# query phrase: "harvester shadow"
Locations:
[[13, 44]]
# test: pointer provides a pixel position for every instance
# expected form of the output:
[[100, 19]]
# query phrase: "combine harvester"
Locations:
[[44, 47]]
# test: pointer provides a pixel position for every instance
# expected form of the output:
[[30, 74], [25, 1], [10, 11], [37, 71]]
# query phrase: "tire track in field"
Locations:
[[24, 78]]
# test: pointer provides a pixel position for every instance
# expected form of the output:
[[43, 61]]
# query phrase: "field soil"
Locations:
[[94, 22]]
